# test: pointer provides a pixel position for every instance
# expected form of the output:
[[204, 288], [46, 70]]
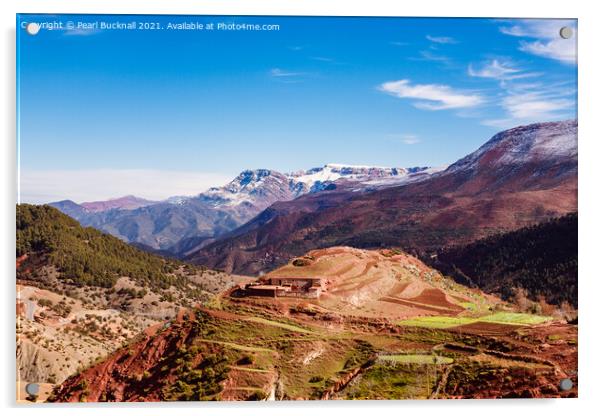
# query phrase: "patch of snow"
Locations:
[[177, 200], [540, 141], [251, 186]]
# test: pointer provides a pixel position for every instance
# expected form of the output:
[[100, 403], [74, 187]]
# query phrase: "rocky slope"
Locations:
[[520, 177]]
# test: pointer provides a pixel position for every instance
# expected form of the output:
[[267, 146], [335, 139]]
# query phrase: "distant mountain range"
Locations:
[[522, 176], [258, 221], [179, 224]]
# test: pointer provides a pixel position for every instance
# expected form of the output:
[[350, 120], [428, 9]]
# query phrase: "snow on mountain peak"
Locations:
[[524, 144], [334, 171], [251, 186], [260, 185]]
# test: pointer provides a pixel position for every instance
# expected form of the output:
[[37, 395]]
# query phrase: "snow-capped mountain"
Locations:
[[333, 172], [186, 221], [267, 186], [261, 186], [522, 145], [317, 179]]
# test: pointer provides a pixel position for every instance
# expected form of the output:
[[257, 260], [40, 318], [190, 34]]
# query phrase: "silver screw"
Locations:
[[566, 384], [32, 389], [566, 32]]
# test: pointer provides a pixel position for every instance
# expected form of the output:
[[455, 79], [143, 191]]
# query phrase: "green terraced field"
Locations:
[[282, 325], [508, 318], [416, 359], [236, 346], [515, 318], [437, 322]]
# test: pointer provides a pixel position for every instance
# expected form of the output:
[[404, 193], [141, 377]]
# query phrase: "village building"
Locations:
[[298, 287]]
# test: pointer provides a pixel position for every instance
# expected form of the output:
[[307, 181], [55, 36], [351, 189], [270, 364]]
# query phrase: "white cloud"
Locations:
[[503, 71], [429, 56], [277, 72], [536, 28], [535, 106], [526, 105], [404, 138], [39, 186], [431, 96], [441, 39], [547, 41], [560, 49], [493, 69]]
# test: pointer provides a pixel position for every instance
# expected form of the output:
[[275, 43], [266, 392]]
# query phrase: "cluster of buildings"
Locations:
[[296, 287]]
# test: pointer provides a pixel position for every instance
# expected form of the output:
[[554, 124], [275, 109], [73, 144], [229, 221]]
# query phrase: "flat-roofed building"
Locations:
[[286, 286], [295, 281]]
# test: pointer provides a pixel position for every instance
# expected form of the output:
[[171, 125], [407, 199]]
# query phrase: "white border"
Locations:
[[590, 275]]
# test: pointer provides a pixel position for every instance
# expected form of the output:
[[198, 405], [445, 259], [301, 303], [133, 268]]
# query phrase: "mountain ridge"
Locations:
[[176, 223], [466, 201]]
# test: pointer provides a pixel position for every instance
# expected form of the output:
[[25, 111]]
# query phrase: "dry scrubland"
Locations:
[[62, 328]]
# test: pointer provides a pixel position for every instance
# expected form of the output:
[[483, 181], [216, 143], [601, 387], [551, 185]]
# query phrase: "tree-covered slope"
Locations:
[[541, 259], [86, 256]]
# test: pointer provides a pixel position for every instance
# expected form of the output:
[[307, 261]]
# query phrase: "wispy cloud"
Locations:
[[535, 106], [523, 102], [535, 102], [431, 96], [429, 56], [560, 49], [535, 28], [408, 139], [397, 43], [500, 70], [280, 73], [289, 77], [494, 69], [546, 40], [441, 39], [41, 186]]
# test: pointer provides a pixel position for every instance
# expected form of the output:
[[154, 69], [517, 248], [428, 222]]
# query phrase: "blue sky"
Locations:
[[157, 113]]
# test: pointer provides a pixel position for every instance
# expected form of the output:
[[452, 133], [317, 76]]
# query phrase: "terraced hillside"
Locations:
[[229, 354], [446, 342], [384, 284]]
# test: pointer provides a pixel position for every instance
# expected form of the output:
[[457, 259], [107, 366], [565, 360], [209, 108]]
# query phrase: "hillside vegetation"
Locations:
[[541, 259], [81, 293], [86, 256]]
